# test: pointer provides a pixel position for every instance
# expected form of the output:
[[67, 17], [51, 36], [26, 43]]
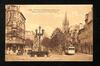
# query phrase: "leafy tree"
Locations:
[[45, 42], [57, 40]]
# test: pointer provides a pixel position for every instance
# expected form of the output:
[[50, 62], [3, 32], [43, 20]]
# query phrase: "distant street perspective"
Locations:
[[48, 32]]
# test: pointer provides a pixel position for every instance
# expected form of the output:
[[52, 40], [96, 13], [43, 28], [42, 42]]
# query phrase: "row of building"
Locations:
[[85, 35], [15, 32], [81, 36], [14, 28]]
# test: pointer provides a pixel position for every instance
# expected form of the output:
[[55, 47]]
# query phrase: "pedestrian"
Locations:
[[16, 51]]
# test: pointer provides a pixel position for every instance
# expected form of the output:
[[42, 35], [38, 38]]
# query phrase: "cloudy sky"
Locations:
[[50, 17]]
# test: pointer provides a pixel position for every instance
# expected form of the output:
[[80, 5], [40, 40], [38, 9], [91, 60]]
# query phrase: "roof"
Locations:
[[18, 12], [81, 30], [22, 15]]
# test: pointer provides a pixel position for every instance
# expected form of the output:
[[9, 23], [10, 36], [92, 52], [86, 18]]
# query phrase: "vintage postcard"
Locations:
[[49, 32]]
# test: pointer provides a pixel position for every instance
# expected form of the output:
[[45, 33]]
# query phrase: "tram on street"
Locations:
[[70, 50]]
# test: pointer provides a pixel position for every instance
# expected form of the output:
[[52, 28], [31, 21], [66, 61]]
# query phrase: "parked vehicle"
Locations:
[[39, 53], [29, 52]]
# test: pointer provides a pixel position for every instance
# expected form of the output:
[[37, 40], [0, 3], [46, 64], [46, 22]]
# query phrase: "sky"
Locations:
[[50, 17]]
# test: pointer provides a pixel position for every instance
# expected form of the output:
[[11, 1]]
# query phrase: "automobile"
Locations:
[[29, 52], [39, 53], [70, 50]]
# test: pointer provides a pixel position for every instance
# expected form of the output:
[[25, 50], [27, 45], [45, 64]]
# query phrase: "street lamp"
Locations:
[[39, 33]]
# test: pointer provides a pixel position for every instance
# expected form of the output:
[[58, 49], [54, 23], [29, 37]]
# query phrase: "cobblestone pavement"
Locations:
[[52, 57]]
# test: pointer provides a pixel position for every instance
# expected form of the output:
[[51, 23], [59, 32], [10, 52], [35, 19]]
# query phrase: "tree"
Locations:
[[57, 40], [45, 42]]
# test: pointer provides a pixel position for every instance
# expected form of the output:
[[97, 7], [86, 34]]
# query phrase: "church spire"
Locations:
[[66, 23]]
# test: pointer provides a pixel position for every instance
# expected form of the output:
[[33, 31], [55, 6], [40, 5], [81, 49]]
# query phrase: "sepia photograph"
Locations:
[[49, 32]]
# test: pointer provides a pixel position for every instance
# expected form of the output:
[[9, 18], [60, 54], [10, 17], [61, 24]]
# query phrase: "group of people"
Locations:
[[16, 51], [10, 51]]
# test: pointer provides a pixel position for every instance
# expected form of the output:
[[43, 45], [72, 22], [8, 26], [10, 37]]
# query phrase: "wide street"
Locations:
[[52, 57]]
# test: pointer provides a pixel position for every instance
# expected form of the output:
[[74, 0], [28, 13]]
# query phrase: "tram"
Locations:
[[70, 50]]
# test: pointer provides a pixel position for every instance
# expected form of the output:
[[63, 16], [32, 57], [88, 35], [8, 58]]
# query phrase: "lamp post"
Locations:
[[39, 33]]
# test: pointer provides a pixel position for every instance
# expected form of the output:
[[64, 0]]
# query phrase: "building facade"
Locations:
[[29, 38], [14, 28], [29, 35], [86, 35]]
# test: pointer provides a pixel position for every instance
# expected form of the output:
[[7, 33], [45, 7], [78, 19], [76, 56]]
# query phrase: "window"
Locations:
[[71, 48], [14, 24]]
